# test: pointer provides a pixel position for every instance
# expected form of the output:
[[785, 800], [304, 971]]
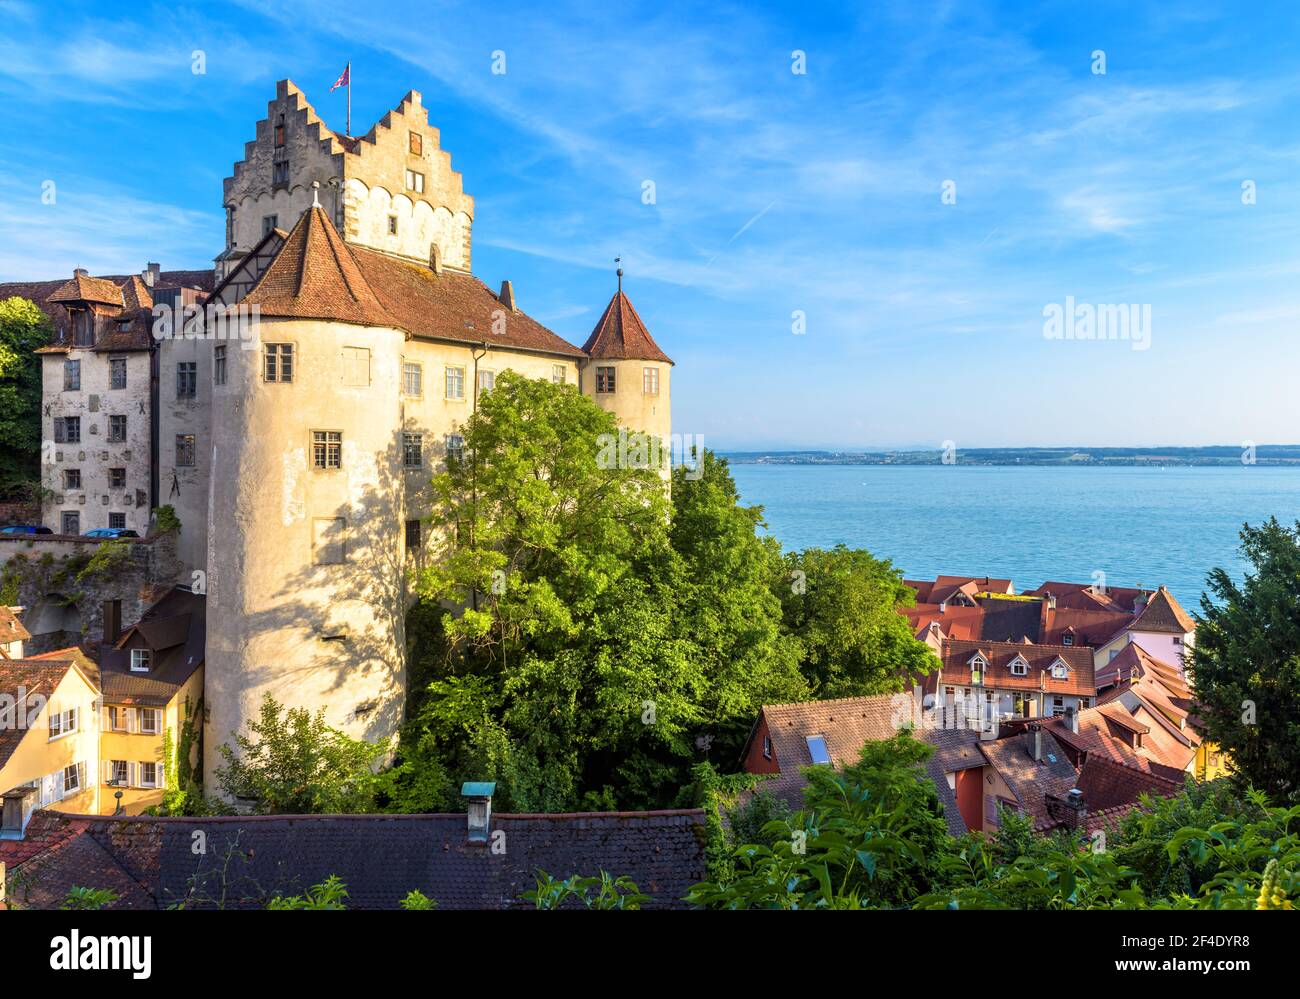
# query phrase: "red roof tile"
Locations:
[[620, 334]]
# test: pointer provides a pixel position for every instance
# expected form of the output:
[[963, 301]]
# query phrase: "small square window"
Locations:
[[149, 775], [327, 449], [117, 429], [280, 173], [71, 376], [117, 478], [72, 478], [415, 181], [487, 381], [67, 429], [117, 520], [141, 660], [455, 447], [279, 362], [118, 772], [558, 374], [392, 225], [70, 522], [417, 143], [605, 379], [650, 381], [269, 222], [150, 721]]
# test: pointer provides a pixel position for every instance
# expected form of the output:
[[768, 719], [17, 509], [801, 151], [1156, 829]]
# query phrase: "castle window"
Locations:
[[280, 173], [187, 379], [415, 181], [269, 222], [356, 367], [67, 430], [219, 365], [605, 379], [487, 381], [327, 449], [392, 225], [70, 522], [455, 382], [141, 660], [650, 381], [72, 478], [279, 362], [117, 478], [412, 535], [117, 520], [558, 374], [455, 448], [184, 450], [117, 372], [117, 429], [417, 143], [71, 376], [412, 379], [279, 131], [328, 540], [413, 450]]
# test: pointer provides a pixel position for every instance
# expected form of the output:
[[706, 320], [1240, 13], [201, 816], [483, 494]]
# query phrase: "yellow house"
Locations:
[[152, 682], [49, 739], [12, 633]]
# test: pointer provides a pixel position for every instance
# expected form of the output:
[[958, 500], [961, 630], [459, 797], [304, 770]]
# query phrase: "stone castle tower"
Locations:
[[373, 343]]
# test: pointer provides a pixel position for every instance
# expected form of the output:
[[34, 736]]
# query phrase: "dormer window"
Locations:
[[1067, 638], [1060, 671], [141, 660], [767, 747], [817, 749], [978, 664], [1019, 666]]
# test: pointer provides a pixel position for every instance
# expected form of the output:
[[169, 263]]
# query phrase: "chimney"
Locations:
[[1075, 810], [112, 620], [943, 606], [507, 296], [1051, 601], [1034, 741], [150, 274], [479, 794], [1072, 719]]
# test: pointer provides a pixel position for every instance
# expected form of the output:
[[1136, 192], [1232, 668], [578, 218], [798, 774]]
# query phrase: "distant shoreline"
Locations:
[[1271, 455]]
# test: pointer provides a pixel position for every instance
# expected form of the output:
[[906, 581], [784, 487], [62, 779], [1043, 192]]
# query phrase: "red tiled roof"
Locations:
[[83, 288], [316, 275], [34, 678], [1079, 680], [1030, 780], [1087, 596], [956, 622], [1164, 616], [846, 723], [1106, 784], [620, 334], [11, 629]]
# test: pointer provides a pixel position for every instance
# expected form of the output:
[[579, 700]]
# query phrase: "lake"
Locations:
[[1140, 526]]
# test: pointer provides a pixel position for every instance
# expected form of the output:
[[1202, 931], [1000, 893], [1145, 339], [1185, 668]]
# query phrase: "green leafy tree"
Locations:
[[84, 899], [291, 762], [581, 664], [1246, 664], [842, 605], [416, 899], [23, 329]]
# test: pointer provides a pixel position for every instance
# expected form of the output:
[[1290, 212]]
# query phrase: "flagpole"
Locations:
[[349, 124]]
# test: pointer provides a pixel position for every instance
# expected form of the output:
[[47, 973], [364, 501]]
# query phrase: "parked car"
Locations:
[[25, 529], [111, 532]]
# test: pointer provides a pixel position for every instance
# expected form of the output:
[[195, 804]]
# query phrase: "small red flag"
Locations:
[[343, 79]]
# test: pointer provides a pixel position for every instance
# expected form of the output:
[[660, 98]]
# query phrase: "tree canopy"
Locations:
[[23, 328], [1246, 663]]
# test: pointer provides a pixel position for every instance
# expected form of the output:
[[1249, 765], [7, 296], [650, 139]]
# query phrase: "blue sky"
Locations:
[[775, 192]]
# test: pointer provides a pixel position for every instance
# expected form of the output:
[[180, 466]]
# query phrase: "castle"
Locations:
[[297, 453]]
